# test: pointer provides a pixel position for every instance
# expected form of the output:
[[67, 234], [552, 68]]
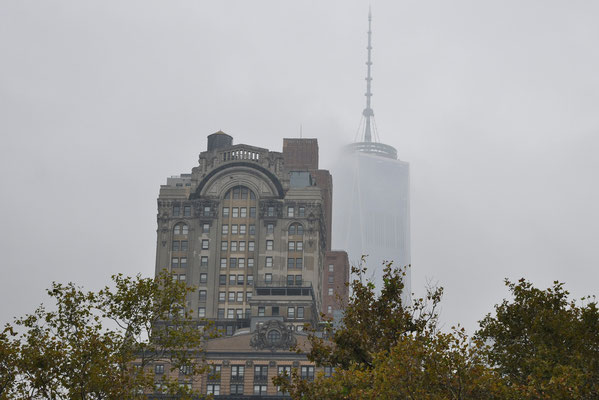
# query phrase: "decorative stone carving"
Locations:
[[273, 335]]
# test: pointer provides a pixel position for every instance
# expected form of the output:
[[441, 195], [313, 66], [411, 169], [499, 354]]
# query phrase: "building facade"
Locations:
[[250, 229]]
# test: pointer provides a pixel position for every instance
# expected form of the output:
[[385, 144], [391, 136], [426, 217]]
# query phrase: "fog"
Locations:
[[493, 104]]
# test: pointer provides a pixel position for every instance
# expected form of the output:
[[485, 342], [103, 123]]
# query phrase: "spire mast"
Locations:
[[368, 113]]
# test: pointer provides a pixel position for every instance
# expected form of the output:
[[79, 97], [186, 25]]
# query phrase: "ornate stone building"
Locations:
[[251, 230]]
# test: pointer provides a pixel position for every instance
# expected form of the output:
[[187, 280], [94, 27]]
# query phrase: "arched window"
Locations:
[[273, 336], [181, 229], [296, 229]]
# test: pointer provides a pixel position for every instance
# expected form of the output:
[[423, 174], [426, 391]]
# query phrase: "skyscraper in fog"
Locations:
[[372, 196]]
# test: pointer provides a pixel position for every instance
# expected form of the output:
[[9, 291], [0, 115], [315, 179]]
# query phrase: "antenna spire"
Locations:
[[368, 113]]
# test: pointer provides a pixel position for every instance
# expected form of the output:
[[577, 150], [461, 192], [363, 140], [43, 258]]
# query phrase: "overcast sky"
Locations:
[[493, 103]]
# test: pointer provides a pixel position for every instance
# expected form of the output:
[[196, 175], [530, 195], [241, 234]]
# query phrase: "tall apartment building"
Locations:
[[372, 197], [251, 230]]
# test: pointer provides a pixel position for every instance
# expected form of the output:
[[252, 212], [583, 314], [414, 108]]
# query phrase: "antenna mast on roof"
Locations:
[[368, 113]]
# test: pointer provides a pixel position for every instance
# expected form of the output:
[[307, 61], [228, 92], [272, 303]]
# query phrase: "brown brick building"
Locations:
[[250, 228]]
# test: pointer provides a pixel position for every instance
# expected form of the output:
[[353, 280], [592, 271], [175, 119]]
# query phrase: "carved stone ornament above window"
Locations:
[[273, 335]]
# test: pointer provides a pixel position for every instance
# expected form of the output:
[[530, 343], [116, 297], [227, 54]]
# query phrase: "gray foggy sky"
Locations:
[[493, 103]]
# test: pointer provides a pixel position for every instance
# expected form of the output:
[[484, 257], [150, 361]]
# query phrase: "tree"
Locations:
[[385, 349], [543, 343], [100, 345]]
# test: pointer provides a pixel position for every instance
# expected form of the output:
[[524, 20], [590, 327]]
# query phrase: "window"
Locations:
[[184, 246], [291, 246], [331, 278], [248, 296], [237, 372], [243, 212], [222, 279], [252, 212], [213, 389], [301, 212], [225, 230], [270, 228], [251, 246], [289, 280], [307, 372], [177, 230], [203, 261], [329, 309], [231, 296], [290, 212], [300, 312], [291, 230], [203, 295], [186, 369], [224, 246], [250, 263], [221, 315], [242, 229], [268, 278], [235, 212], [298, 280], [268, 262], [269, 244], [223, 263], [214, 372], [240, 295], [330, 291], [222, 297], [159, 369], [291, 312], [271, 211], [203, 278], [232, 279], [331, 267], [275, 310], [187, 211], [183, 262], [260, 372], [234, 229], [236, 193], [184, 230], [252, 229], [205, 244], [241, 262], [329, 371], [206, 228], [259, 389], [230, 313], [299, 246], [176, 211], [239, 313], [182, 278], [261, 311], [202, 312], [175, 262], [232, 262], [241, 246], [240, 279], [299, 262], [236, 388], [233, 246], [300, 230], [225, 211], [206, 210], [284, 370], [175, 246], [290, 262], [250, 280]]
